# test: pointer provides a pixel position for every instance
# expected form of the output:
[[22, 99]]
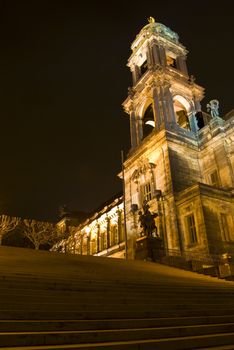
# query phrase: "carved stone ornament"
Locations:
[[192, 79], [131, 92], [143, 168]]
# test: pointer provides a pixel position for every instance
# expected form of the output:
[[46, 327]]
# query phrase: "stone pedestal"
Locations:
[[149, 248]]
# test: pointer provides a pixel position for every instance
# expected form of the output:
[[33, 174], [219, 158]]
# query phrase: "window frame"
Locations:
[[191, 229], [146, 191], [215, 183], [226, 230]]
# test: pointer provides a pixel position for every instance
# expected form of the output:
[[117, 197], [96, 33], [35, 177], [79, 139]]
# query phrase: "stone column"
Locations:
[[155, 54], [133, 129], [108, 232], [149, 58], [193, 117], [135, 73], [139, 129], [88, 243], [81, 244], [197, 104], [162, 55], [98, 238], [119, 225], [181, 64], [169, 106], [157, 114], [102, 236], [162, 106]]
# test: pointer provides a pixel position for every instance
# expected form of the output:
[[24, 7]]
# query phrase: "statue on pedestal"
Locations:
[[153, 240], [147, 221], [213, 108]]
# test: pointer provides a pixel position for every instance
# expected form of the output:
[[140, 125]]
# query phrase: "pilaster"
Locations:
[[133, 129]]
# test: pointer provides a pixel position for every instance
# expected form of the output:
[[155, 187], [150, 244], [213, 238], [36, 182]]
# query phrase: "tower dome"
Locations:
[[157, 29]]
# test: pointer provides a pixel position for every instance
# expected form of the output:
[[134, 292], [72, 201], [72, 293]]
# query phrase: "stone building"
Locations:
[[181, 160], [101, 233]]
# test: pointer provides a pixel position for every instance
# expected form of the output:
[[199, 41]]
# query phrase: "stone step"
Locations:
[[21, 294], [222, 347], [179, 343], [32, 284], [53, 325], [31, 295], [113, 306], [118, 283], [93, 315], [9, 301], [109, 304], [84, 297], [113, 335]]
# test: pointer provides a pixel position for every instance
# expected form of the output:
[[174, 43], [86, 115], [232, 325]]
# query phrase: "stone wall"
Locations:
[[215, 204]]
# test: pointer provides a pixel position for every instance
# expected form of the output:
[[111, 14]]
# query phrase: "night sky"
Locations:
[[62, 82]]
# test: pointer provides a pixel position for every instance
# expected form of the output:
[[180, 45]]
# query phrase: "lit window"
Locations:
[[191, 226], [214, 179], [147, 192]]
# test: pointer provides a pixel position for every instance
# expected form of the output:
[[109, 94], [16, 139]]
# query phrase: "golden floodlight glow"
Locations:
[[87, 230]]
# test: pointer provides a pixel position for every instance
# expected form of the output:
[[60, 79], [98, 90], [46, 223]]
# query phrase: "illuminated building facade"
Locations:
[[102, 233], [181, 160]]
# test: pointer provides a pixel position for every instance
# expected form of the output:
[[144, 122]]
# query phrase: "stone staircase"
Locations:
[[58, 301]]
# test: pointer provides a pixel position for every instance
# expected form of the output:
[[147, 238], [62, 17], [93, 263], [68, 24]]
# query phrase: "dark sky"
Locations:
[[63, 77]]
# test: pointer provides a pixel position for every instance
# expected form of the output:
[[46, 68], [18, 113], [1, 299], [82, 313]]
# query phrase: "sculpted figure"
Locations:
[[147, 221], [213, 108], [151, 20]]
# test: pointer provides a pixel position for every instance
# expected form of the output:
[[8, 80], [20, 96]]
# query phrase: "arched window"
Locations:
[[148, 121], [181, 108]]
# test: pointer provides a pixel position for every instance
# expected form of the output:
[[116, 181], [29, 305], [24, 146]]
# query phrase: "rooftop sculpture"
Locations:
[[213, 108]]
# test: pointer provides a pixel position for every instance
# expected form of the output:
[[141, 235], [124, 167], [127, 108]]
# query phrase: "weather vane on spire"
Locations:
[[151, 20]]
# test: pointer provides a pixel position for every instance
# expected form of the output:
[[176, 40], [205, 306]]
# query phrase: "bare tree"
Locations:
[[72, 239], [39, 232], [7, 223], [67, 239]]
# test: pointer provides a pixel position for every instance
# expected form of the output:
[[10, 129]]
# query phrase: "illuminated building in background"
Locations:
[[181, 160], [102, 233]]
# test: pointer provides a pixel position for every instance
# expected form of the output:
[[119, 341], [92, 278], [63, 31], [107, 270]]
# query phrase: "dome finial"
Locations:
[[151, 20]]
